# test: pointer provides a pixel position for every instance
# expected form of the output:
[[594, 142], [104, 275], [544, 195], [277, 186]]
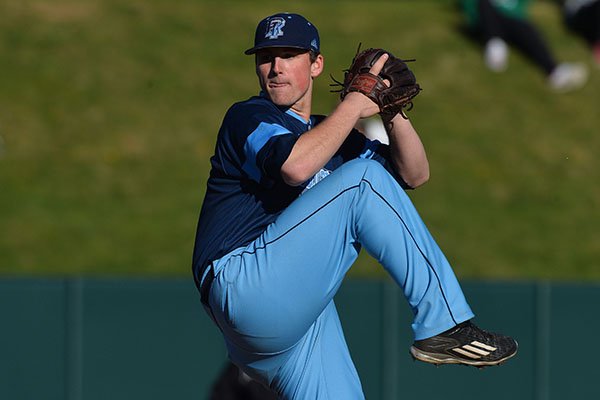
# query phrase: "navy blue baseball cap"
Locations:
[[285, 30]]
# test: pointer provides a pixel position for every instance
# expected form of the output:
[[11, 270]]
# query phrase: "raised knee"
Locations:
[[362, 167]]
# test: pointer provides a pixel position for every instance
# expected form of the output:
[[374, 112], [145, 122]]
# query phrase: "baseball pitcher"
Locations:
[[292, 198]]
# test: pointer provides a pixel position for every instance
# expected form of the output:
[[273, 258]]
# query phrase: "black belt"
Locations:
[[205, 285]]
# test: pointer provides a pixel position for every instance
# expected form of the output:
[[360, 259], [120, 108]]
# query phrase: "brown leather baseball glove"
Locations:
[[392, 99]]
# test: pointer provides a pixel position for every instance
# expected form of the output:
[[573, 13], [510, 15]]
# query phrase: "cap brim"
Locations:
[[256, 48]]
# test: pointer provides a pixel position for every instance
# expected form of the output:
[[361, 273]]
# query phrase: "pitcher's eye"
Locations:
[[264, 58]]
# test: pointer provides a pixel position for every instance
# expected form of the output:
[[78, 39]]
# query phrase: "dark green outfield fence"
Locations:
[[87, 339]]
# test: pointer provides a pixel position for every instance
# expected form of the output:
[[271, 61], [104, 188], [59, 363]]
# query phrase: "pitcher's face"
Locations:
[[286, 74]]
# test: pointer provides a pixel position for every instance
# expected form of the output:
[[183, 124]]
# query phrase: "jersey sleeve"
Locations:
[[266, 148]]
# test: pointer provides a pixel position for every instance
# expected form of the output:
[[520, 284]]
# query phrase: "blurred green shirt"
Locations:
[[511, 8]]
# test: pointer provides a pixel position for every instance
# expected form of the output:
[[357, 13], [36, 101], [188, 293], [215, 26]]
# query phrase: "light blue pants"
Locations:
[[273, 300]]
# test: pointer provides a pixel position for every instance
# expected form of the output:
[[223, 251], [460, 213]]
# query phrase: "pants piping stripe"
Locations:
[[395, 212]]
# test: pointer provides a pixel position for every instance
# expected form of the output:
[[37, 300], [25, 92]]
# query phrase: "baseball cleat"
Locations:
[[465, 344]]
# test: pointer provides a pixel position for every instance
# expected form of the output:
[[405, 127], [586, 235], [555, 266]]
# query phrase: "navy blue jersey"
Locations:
[[245, 190]]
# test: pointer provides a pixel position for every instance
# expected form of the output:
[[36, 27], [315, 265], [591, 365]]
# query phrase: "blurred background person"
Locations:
[[582, 17], [503, 23]]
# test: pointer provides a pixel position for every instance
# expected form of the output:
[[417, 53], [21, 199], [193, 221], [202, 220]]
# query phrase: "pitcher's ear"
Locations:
[[316, 68]]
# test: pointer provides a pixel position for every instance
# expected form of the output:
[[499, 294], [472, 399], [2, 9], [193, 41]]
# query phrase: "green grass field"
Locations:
[[109, 111]]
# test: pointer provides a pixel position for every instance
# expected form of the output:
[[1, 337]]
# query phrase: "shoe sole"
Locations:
[[437, 359]]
